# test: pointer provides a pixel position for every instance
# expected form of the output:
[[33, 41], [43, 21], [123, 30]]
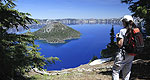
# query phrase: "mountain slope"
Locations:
[[56, 33]]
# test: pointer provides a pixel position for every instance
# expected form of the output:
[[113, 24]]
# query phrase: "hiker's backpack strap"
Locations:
[[129, 43], [125, 41]]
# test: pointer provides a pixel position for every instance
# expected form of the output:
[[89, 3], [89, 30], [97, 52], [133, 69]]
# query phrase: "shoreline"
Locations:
[[59, 41]]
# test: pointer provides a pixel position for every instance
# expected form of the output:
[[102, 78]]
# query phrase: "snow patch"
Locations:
[[99, 61]]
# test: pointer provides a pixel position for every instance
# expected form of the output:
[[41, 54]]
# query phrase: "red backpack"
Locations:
[[133, 41]]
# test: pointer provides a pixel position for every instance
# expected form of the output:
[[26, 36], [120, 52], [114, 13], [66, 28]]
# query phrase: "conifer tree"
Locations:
[[112, 35], [111, 49], [18, 53]]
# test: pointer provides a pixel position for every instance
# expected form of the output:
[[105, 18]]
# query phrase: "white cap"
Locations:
[[127, 18]]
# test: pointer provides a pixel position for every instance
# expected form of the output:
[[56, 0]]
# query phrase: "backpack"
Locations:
[[133, 41]]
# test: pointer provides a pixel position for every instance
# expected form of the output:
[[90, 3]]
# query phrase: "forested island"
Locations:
[[56, 33]]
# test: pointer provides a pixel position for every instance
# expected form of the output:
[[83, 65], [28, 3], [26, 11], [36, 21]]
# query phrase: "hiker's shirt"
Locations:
[[121, 35]]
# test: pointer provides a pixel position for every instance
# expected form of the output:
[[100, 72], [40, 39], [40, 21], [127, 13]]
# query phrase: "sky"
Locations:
[[79, 9]]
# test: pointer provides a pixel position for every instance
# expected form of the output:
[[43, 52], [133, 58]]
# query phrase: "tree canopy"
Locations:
[[18, 53]]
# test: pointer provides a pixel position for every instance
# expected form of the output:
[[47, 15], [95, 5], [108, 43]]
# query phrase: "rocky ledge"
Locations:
[[140, 71]]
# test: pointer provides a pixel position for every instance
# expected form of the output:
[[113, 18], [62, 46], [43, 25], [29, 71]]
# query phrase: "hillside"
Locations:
[[56, 33], [140, 71]]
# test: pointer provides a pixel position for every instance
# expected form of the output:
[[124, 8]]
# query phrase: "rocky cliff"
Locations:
[[56, 33]]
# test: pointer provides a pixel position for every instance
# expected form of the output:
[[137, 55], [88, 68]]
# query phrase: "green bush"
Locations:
[[94, 58]]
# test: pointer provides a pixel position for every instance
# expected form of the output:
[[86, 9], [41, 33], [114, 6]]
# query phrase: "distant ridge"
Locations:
[[69, 21], [56, 33]]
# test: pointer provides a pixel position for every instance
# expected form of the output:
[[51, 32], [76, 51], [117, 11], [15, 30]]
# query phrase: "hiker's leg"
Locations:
[[117, 66], [116, 71], [126, 70]]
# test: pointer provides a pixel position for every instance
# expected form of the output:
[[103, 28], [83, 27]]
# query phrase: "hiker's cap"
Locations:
[[127, 18]]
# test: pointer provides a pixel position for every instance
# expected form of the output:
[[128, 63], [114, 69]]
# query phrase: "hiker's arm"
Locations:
[[119, 40], [120, 43]]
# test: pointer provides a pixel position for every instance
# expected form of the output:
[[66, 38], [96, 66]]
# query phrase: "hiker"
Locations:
[[123, 60]]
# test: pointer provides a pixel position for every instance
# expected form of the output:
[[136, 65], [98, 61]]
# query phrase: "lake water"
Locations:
[[75, 52]]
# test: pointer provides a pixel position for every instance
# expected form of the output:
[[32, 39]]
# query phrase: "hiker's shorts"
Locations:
[[124, 63]]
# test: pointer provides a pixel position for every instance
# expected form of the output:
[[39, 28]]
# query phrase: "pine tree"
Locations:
[[112, 34], [111, 49], [18, 53]]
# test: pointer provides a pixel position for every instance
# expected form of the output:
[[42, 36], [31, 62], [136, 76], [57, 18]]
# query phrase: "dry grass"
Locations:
[[140, 71], [73, 76]]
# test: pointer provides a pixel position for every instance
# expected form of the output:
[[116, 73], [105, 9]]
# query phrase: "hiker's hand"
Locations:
[[117, 35]]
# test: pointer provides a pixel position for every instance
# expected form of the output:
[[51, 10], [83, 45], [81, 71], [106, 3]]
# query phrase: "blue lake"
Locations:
[[75, 52]]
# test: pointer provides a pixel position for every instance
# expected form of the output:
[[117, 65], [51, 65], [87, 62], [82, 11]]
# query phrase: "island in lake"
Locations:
[[56, 33]]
